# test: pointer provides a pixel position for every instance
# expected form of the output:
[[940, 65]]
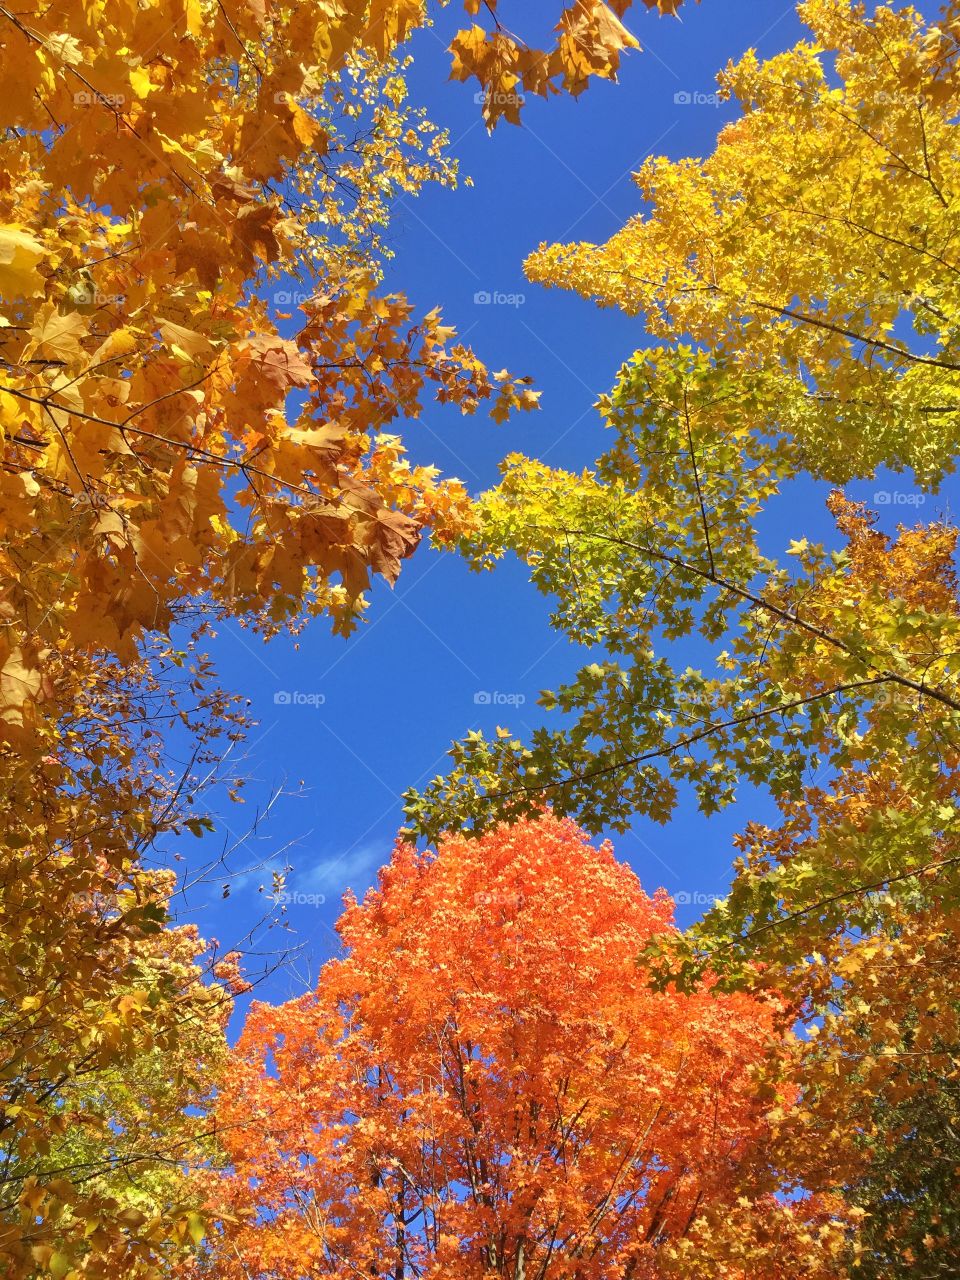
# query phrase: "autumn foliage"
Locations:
[[518, 1066]]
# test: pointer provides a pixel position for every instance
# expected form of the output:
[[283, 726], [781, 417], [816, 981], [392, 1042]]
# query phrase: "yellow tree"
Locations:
[[814, 244], [105, 1092], [768, 270], [112, 1022], [147, 470], [854, 919]]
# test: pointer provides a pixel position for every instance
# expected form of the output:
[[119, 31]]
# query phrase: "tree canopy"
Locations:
[[519, 1065]]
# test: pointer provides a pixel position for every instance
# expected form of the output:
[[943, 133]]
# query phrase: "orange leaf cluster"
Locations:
[[485, 1085]]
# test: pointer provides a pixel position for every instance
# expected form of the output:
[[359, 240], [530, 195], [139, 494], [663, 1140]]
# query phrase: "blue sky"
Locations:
[[370, 716]]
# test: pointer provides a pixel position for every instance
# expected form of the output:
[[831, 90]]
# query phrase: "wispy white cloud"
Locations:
[[262, 873], [336, 871]]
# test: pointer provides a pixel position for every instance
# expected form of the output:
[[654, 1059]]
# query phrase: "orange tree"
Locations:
[[484, 1086]]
